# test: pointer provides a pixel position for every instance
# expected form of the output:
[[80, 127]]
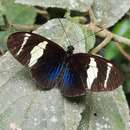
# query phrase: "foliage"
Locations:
[[16, 13], [112, 53], [25, 107]]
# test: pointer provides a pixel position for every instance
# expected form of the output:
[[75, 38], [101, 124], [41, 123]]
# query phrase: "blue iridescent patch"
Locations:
[[55, 72], [67, 77]]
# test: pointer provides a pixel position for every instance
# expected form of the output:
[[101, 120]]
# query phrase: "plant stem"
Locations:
[[101, 45], [123, 52], [106, 33]]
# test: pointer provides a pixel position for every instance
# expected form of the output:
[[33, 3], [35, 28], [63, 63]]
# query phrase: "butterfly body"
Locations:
[[52, 66]]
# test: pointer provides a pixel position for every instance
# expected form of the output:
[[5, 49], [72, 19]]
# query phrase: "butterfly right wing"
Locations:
[[43, 57], [85, 72]]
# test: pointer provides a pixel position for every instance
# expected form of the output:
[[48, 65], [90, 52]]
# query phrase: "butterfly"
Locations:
[[51, 66]]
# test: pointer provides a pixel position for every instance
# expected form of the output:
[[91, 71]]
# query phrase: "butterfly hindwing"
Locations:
[[45, 75], [72, 84]]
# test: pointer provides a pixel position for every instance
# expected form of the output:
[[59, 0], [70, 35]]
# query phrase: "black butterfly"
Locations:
[[51, 65]]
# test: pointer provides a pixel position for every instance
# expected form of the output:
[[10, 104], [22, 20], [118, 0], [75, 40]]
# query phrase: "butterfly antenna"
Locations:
[[78, 40], [64, 31], [91, 35]]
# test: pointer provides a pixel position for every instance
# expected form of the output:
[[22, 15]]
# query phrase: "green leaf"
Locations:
[[127, 85], [15, 13]]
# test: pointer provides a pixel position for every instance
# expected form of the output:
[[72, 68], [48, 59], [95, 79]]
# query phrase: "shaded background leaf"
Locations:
[[80, 5], [107, 12]]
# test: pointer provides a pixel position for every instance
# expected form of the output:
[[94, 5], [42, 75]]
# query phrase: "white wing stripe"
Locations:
[[37, 52], [92, 72], [109, 66], [24, 42]]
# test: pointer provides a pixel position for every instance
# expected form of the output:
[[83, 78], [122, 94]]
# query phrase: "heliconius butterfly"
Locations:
[[50, 65]]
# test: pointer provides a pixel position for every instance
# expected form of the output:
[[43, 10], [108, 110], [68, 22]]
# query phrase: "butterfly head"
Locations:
[[70, 50]]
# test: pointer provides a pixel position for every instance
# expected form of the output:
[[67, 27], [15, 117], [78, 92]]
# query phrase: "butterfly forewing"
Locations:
[[42, 56], [28, 48]]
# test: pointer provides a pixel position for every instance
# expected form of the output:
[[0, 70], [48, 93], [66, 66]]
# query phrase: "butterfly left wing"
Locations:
[[89, 72], [42, 56]]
